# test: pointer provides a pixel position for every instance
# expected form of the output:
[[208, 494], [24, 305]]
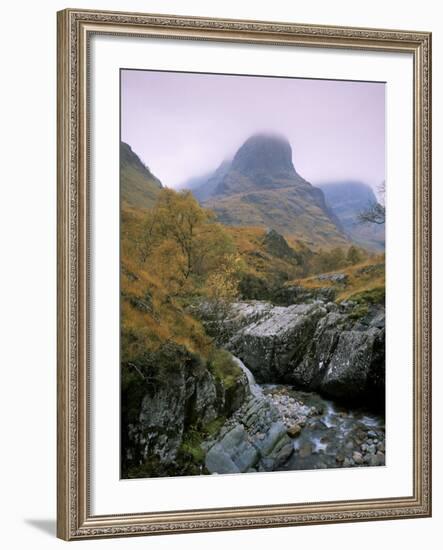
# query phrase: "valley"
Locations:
[[252, 321]]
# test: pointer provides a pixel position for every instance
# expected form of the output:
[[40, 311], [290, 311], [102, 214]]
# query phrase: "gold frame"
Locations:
[[75, 27]]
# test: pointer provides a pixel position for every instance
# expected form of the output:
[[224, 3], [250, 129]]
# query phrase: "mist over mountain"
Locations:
[[203, 187], [138, 186], [261, 187], [347, 199]]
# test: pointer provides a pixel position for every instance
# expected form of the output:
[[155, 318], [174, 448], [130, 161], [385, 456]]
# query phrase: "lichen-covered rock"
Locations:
[[178, 391], [253, 439], [271, 344], [316, 346], [340, 278], [289, 295], [350, 364], [233, 453]]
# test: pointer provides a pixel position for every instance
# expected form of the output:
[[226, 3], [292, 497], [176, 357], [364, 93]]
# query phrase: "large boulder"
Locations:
[[271, 345], [349, 366], [177, 391], [289, 295], [254, 439], [316, 346]]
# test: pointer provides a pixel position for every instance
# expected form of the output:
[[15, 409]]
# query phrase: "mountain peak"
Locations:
[[264, 152]]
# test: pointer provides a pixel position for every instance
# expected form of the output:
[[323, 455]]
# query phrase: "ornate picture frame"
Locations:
[[75, 518]]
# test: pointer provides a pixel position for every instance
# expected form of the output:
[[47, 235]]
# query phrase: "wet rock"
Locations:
[[340, 457], [218, 461], [315, 346], [305, 450], [350, 365], [294, 430], [377, 459], [179, 391], [233, 453], [371, 449], [255, 437], [357, 457]]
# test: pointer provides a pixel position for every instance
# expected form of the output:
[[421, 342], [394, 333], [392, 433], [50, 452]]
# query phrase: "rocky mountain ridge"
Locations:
[[261, 187]]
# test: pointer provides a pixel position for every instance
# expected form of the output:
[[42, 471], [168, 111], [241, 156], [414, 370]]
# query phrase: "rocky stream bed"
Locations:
[[335, 359], [308, 394], [280, 428]]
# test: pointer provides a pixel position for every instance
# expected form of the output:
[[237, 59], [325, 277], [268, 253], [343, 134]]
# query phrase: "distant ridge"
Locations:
[[347, 199]]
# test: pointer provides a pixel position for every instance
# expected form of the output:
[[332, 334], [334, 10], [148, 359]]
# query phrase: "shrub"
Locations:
[[224, 368], [372, 297], [252, 287]]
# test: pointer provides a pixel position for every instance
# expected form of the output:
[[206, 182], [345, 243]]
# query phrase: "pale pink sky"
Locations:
[[184, 124]]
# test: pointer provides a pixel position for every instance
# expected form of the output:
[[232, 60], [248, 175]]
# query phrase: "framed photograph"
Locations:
[[243, 274]]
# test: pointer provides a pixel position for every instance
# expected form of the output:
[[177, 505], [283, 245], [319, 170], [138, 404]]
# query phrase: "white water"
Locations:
[[373, 422], [329, 418], [254, 388], [318, 445]]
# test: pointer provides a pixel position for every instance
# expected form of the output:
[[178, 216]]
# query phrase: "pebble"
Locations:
[[359, 446], [357, 457], [305, 450], [294, 430]]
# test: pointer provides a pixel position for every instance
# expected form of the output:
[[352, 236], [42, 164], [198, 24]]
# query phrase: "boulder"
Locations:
[[255, 439], [315, 346], [294, 430], [270, 345], [181, 392], [289, 295]]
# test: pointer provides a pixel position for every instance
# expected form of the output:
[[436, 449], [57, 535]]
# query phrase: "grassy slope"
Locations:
[[149, 316], [286, 209], [362, 279], [257, 258], [139, 187]]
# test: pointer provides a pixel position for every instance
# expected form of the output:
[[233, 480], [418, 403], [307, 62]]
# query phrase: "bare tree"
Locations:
[[375, 212]]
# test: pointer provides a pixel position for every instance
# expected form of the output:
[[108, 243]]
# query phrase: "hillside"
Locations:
[[261, 188], [363, 282], [183, 275], [164, 348], [138, 186], [347, 199]]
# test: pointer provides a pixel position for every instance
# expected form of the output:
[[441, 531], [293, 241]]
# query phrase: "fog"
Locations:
[[183, 124]]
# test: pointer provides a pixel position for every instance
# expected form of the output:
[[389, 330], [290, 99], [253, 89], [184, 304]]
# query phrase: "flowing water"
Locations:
[[325, 434], [331, 435], [254, 388]]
